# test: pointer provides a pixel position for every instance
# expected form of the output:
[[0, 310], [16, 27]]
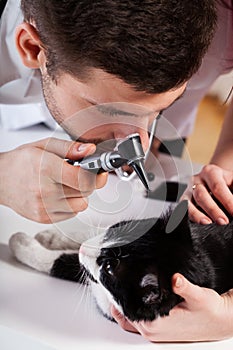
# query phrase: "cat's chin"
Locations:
[[108, 316], [103, 299]]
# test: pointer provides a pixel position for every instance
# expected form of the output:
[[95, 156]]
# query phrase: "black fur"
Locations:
[[67, 267], [202, 253]]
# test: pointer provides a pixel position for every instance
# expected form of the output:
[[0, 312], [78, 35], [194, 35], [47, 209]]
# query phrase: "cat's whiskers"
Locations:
[[83, 278], [86, 299], [81, 292], [79, 296], [90, 305]]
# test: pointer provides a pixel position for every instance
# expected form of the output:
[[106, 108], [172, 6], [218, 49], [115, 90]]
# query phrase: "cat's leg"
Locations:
[[56, 240], [57, 263], [30, 252]]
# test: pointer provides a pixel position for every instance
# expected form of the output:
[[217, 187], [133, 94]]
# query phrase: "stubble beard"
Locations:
[[47, 89]]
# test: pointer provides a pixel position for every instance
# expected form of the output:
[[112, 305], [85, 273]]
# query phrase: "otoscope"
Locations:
[[127, 152]]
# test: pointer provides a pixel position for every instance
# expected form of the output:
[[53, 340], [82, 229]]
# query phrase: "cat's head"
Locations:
[[136, 276]]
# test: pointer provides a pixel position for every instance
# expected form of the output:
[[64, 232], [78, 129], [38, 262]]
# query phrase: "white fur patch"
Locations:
[[30, 252], [103, 298], [56, 240], [149, 280], [88, 253]]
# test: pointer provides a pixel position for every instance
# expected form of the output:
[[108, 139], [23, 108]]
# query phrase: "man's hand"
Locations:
[[40, 185], [212, 181], [204, 315]]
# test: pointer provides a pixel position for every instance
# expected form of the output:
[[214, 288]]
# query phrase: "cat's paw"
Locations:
[[49, 239], [55, 240], [20, 240], [21, 245]]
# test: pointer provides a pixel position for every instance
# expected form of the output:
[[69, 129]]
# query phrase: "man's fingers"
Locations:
[[203, 198], [66, 149], [58, 216], [101, 180], [67, 181], [219, 183], [196, 215], [49, 218], [69, 192], [66, 174], [69, 205], [210, 192], [79, 179], [191, 293]]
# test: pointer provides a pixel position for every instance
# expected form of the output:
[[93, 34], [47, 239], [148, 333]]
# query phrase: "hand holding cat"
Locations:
[[204, 315], [40, 185], [211, 181]]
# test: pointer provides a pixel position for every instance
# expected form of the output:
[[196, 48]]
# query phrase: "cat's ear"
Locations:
[[178, 219], [151, 288], [151, 297]]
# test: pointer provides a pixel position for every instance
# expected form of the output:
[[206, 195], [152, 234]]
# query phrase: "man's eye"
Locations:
[[110, 266]]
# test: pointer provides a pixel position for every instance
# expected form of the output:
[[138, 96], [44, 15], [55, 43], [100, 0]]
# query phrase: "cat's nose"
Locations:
[[85, 251], [81, 250]]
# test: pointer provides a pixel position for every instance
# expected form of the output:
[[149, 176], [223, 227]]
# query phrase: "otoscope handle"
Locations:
[[99, 163]]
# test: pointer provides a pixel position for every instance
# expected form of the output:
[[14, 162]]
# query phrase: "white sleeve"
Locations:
[[21, 99]]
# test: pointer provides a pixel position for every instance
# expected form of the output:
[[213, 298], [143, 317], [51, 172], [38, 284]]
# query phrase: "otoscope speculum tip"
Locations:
[[139, 169]]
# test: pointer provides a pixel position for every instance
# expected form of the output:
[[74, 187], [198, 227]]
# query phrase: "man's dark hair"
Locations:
[[154, 45]]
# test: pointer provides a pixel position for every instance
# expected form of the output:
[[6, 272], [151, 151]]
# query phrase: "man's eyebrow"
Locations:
[[112, 111]]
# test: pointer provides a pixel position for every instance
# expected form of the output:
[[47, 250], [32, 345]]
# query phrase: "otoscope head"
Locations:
[[131, 149], [128, 151]]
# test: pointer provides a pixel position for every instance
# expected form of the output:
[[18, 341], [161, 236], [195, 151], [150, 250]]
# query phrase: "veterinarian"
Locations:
[[114, 55]]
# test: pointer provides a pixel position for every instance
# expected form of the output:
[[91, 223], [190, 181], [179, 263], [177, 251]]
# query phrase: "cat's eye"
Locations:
[[110, 266]]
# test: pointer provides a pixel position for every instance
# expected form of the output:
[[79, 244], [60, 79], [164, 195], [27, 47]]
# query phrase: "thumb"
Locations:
[[121, 320], [66, 149], [191, 293]]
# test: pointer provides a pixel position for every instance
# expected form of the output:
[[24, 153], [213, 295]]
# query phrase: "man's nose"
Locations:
[[125, 132]]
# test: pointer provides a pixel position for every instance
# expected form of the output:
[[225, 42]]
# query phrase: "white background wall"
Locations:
[[222, 87]]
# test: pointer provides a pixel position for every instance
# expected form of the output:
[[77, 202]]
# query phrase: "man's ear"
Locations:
[[29, 46]]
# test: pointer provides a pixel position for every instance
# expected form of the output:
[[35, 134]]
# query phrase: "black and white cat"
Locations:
[[135, 274]]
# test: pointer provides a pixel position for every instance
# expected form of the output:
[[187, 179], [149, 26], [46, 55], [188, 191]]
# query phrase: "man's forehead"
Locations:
[[102, 87]]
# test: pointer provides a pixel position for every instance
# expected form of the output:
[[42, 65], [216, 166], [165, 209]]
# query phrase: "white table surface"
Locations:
[[40, 312]]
